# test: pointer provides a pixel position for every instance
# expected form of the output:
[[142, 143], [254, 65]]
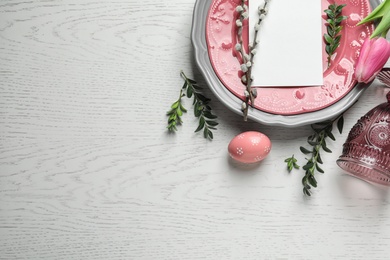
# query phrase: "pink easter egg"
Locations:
[[249, 147]]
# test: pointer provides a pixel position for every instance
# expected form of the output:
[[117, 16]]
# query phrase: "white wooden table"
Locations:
[[88, 170]]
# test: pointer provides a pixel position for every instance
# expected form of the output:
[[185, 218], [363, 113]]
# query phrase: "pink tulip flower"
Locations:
[[373, 56]]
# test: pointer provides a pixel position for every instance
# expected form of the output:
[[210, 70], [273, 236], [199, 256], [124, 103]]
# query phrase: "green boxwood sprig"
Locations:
[[317, 141], [291, 163], [333, 36], [202, 109]]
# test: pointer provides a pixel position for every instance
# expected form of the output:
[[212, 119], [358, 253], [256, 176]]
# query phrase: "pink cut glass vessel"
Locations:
[[366, 152]]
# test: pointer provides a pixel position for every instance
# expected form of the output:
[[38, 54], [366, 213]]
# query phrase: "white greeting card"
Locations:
[[290, 48]]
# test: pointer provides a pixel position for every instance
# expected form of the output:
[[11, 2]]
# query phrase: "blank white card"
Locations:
[[290, 48]]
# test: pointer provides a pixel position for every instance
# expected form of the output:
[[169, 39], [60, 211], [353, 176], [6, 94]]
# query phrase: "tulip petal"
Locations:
[[373, 56], [379, 54], [364, 51]]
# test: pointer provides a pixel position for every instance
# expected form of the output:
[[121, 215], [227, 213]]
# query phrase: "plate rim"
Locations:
[[198, 39]]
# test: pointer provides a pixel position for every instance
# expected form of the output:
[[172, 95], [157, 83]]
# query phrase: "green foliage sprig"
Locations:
[[318, 142], [333, 36], [291, 163], [174, 115], [202, 109]]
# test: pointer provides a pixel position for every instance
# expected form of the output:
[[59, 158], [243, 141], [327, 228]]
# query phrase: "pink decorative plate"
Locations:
[[338, 79]]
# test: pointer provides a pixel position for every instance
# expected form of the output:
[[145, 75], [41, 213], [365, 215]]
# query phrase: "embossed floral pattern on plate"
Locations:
[[338, 79]]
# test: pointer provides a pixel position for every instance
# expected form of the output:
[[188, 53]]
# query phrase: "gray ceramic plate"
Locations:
[[198, 36]]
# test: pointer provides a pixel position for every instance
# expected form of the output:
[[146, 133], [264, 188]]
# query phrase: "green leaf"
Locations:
[[182, 108], [308, 166], [318, 168], [172, 127], [377, 13], [201, 98], [206, 132], [328, 39], [312, 181], [211, 123], [179, 112], [172, 117], [210, 134], [337, 39], [313, 143], [333, 48], [196, 88], [330, 135], [304, 181], [326, 149], [289, 166], [201, 124], [197, 109], [189, 92], [175, 105], [209, 115], [319, 159], [191, 81], [340, 7], [304, 150], [169, 112], [306, 191], [337, 30], [327, 49], [340, 124], [331, 32], [339, 19], [331, 22], [329, 13]]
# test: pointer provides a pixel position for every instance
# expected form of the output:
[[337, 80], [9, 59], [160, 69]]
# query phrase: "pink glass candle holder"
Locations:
[[366, 152]]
